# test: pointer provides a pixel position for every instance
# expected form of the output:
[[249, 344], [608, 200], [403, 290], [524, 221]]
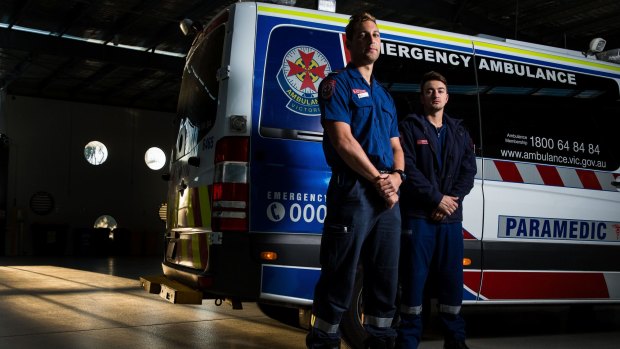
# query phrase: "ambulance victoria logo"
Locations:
[[303, 69]]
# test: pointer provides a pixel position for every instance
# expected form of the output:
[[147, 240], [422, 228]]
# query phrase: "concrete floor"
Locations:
[[98, 303]]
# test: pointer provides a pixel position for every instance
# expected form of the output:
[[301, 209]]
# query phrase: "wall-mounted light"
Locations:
[[189, 26], [326, 5], [155, 158], [597, 45]]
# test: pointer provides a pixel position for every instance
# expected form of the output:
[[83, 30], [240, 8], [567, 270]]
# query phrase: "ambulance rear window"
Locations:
[[549, 115], [297, 60], [200, 88]]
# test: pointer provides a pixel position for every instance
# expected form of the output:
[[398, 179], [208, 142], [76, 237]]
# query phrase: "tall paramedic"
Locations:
[[362, 224], [440, 165]]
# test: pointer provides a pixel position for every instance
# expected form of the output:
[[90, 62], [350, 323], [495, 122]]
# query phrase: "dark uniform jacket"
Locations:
[[426, 183]]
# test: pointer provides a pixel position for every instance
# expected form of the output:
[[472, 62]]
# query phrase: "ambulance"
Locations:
[[248, 179]]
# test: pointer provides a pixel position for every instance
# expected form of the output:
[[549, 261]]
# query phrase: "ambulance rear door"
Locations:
[[289, 175], [550, 127]]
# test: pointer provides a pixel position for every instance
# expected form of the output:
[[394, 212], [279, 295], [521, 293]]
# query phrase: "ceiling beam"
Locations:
[[58, 71], [93, 78], [128, 19], [76, 12], [18, 12], [63, 47]]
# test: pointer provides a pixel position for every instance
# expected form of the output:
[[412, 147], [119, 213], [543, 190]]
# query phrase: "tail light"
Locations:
[[230, 191]]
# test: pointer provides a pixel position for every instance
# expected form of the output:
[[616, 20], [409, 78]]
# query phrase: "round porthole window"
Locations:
[[106, 221], [155, 158], [95, 153]]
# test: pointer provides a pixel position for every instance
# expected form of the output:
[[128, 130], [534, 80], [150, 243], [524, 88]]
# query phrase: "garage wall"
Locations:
[[47, 139]]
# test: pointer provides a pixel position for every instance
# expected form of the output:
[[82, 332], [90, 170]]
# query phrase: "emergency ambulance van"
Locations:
[[248, 179]]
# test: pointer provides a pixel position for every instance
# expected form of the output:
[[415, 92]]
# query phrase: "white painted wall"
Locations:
[[47, 139]]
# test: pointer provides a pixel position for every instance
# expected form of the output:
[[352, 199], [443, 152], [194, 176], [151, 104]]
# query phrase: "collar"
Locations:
[[355, 73]]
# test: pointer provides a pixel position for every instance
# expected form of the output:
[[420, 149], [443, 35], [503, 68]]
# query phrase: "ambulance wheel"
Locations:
[[351, 325], [285, 315]]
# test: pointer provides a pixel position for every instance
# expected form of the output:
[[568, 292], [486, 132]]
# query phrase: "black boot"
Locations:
[[331, 344], [454, 344], [379, 343]]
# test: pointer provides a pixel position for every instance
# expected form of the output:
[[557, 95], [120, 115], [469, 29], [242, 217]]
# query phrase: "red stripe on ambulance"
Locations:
[[472, 279], [467, 235], [589, 179], [499, 285], [507, 171], [550, 175]]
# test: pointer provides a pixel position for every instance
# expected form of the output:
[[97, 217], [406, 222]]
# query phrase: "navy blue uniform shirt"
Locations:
[[368, 109]]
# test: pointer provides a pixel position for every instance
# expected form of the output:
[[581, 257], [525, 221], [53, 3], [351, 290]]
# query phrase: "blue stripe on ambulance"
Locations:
[[289, 281]]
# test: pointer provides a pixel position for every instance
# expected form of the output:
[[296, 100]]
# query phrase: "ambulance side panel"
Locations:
[[550, 141]]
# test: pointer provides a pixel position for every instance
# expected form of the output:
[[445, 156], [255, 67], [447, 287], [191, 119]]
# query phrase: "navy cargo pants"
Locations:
[[358, 228], [421, 241]]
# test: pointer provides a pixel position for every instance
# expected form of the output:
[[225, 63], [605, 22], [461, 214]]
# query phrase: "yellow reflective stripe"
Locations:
[[297, 13], [345, 21], [521, 51], [205, 206], [184, 250], [190, 208], [196, 250], [438, 36], [174, 212], [417, 32]]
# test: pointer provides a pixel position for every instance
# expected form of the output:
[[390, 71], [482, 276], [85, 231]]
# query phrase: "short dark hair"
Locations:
[[356, 20], [430, 76]]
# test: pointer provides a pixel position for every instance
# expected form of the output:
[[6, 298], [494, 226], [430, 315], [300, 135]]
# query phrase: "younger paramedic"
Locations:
[[362, 224], [440, 166]]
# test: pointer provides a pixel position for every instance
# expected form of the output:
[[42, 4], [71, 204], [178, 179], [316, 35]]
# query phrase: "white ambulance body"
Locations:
[[249, 179]]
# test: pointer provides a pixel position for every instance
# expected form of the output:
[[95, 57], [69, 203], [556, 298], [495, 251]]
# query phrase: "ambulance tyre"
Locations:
[[351, 324], [285, 315]]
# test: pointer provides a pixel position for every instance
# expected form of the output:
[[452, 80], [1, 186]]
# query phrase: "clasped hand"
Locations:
[[447, 206], [387, 187]]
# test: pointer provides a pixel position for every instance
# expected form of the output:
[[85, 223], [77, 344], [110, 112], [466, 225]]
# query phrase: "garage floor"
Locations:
[[98, 303]]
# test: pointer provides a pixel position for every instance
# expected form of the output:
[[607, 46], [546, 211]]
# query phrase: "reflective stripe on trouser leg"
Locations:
[[380, 322], [450, 309], [324, 326], [380, 263], [417, 310]]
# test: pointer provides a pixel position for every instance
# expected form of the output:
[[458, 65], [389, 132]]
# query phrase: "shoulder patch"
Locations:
[[327, 87]]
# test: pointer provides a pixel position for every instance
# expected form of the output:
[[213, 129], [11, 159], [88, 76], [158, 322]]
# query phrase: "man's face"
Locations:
[[434, 96], [365, 44]]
